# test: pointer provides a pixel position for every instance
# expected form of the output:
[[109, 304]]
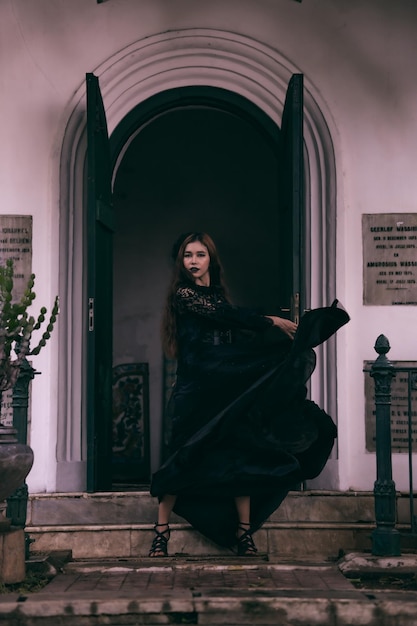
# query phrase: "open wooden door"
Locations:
[[292, 207], [99, 293]]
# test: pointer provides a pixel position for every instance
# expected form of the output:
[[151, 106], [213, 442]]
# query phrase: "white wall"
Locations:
[[358, 58]]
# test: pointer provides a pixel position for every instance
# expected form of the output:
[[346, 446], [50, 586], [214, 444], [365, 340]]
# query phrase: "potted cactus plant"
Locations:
[[16, 328]]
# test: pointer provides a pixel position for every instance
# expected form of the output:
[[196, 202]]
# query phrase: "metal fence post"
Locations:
[[17, 502], [20, 400], [385, 537]]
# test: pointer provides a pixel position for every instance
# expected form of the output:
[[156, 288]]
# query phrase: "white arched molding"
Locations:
[[196, 57]]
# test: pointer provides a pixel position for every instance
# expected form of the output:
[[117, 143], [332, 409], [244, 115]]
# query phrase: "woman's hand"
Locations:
[[287, 326]]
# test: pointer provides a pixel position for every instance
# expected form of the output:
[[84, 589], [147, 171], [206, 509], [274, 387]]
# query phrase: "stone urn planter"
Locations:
[[15, 463], [16, 460]]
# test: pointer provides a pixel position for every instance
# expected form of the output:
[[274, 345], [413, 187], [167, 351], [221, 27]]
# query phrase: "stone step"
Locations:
[[140, 508], [286, 540], [308, 524]]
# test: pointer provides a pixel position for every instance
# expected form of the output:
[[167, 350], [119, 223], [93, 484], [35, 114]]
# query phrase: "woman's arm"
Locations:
[[212, 305], [287, 326]]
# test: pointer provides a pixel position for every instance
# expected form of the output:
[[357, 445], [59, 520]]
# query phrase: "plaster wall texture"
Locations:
[[359, 59]]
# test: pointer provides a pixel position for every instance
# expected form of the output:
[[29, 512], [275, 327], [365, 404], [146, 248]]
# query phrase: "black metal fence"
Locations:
[[17, 502], [386, 537]]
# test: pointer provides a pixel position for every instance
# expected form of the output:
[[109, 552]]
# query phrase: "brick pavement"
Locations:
[[171, 576], [210, 592]]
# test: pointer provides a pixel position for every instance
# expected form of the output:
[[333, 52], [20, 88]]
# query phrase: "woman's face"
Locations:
[[197, 263]]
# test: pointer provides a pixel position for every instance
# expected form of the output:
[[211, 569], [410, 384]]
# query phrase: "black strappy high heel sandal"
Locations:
[[245, 543], [159, 546]]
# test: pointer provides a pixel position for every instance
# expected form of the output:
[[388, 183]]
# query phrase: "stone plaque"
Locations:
[[16, 244], [399, 407], [6, 411], [389, 258]]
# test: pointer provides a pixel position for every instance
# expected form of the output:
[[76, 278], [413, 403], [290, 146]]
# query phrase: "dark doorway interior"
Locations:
[[194, 167]]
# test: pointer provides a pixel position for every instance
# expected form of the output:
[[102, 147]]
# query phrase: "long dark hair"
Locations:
[[179, 277]]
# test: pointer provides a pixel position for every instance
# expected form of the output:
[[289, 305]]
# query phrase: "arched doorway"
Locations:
[[200, 159], [248, 69]]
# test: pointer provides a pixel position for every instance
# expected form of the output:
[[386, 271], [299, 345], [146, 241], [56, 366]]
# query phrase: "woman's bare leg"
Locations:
[[243, 511], [246, 546], [166, 505]]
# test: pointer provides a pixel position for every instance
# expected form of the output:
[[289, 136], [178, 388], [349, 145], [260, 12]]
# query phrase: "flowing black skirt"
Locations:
[[242, 426]]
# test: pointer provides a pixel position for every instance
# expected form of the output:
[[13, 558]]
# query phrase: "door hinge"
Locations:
[[90, 314], [294, 309]]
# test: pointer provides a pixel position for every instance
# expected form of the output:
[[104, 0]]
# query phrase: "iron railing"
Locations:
[[386, 537], [17, 502]]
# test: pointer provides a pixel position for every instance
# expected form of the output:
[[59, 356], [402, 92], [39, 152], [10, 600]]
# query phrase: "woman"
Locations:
[[243, 432]]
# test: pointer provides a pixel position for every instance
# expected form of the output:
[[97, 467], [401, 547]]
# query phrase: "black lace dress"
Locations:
[[241, 423]]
